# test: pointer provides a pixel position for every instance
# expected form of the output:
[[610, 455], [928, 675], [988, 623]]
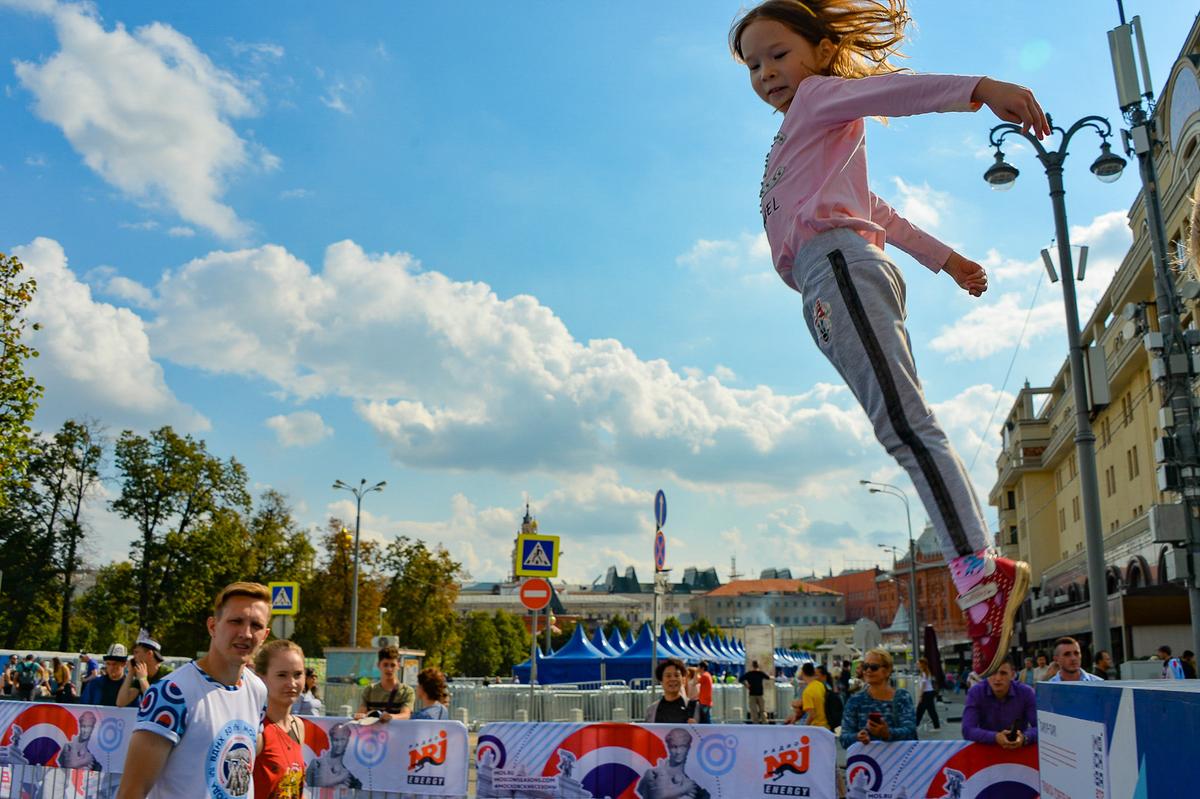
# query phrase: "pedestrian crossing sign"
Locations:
[[537, 555], [285, 598]]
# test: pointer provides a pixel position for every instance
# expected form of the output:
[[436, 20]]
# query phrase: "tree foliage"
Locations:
[[169, 483], [515, 642], [325, 620], [617, 622], [481, 654], [19, 392], [421, 589], [702, 626], [671, 624]]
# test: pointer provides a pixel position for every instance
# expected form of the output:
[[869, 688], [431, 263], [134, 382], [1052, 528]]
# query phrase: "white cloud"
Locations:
[[145, 224], [922, 205], [95, 357], [749, 254], [148, 111], [256, 52], [37, 160], [296, 194], [972, 420], [995, 325], [451, 376], [181, 232], [340, 91], [299, 429]]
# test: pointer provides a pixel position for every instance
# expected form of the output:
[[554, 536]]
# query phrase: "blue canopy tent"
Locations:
[[634, 662], [687, 653], [617, 642], [521, 670], [665, 645], [576, 661], [601, 643]]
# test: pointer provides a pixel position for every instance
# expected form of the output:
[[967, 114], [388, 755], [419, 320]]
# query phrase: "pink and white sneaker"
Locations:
[[997, 588]]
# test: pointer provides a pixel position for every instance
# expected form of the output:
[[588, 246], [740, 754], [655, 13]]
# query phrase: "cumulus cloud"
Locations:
[[748, 254], [148, 111], [922, 205], [451, 376], [299, 429], [995, 325], [95, 357], [181, 232]]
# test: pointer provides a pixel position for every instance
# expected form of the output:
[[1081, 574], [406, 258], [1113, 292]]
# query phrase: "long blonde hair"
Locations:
[[867, 34]]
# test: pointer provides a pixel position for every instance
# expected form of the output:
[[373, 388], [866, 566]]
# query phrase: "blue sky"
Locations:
[[500, 249]]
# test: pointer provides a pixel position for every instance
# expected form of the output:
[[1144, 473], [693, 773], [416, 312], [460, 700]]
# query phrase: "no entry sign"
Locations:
[[535, 593]]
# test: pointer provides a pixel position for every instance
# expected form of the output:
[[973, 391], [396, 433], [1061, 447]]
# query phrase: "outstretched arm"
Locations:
[[1013, 103]]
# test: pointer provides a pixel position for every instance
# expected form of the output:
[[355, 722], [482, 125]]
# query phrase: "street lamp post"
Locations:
[[358, 491], [1107, 167], [382, 613], [891, 490]]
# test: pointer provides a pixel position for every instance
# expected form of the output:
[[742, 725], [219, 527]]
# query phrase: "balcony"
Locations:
[[1119, 353]]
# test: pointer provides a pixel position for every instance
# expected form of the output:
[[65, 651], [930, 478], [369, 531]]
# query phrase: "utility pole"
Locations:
[[1170, 348]]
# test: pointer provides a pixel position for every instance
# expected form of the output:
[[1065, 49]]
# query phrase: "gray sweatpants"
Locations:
[[854, 308]]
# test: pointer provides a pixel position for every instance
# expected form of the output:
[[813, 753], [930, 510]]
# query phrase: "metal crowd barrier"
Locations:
[[476, 704]]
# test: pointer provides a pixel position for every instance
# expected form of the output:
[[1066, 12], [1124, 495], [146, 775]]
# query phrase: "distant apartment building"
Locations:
[[861, 591], [1037, 489], [782, 602]]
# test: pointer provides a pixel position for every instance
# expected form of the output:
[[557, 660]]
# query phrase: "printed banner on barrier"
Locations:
[[426, 758], [653, 761], [940, 770]]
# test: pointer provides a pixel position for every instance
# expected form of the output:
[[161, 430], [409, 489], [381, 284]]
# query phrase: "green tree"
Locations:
[[671, 624], [422, 587], [617, 622], [19, 392], [325, 616], [481, 653], [514, 640], [169, 483], [77, 451], [108, 610], [702, 626]]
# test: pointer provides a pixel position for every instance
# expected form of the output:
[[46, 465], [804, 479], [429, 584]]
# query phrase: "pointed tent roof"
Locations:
[[900, 624], [644, 647], [689, 654], [719, 654], [617, 643], [665, 645], [601, 643], [579, 647]]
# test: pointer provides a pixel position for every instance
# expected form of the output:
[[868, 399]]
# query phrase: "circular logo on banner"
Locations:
[[490, 752], [718, 754], [110, 733], [230, 761], [370, 746], [862, 771]]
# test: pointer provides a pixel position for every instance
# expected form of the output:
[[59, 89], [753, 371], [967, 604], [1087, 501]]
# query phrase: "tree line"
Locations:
[[197, 528]]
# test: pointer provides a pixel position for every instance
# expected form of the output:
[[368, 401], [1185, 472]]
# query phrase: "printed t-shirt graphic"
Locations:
[[212, 729]]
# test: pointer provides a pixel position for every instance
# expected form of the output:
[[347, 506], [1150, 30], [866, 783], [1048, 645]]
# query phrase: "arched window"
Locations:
[[1161, 576], [1073, 593], [1113, 580], [1137, 573]]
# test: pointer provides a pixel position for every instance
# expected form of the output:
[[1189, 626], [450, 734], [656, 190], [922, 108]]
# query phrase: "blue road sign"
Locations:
[[660, 550], [285, 598], [537, 555], [660, 509]]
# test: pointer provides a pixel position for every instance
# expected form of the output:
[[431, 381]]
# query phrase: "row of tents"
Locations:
[[617, 658]]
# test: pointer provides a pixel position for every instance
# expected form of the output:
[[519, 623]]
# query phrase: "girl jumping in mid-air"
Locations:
[[825, 65]]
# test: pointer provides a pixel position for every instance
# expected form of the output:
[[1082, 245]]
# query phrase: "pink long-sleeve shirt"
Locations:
[[816, 174]]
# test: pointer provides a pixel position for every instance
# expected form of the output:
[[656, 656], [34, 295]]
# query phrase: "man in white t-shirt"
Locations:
[[1069, 659], [196, 728]]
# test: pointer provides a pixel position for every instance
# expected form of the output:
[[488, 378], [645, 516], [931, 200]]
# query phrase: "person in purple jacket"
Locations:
[[825, 66], [1001, 711]]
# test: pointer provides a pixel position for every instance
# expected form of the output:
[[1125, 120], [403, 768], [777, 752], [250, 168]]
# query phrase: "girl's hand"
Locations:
[[969, 275], [1013, 103]]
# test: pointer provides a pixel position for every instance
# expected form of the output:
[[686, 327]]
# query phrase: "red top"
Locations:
[[705, 688], [279, 768]]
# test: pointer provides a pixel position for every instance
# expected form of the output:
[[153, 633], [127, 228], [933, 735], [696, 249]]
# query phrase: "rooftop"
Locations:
[[775, 586]]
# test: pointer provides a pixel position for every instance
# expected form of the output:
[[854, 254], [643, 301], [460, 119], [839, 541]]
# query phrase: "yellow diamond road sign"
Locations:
[[285, 598], [537, 555]]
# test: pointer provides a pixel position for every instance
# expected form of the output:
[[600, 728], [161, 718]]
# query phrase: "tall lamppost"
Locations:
[[891, 490], [382, 613], [1107, 167], [358, 491]]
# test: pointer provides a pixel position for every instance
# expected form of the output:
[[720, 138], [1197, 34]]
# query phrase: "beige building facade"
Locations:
[[1037, 490]]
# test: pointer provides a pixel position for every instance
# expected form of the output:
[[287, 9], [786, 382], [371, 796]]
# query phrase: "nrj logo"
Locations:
[[791, 759], [425, 753]]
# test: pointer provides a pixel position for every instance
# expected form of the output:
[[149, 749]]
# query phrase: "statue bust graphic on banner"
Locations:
[[566, 786], [75, 753], [669, 780]]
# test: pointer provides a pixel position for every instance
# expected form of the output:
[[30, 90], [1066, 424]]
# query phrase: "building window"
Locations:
[[1074, 468], [1062, 520], [1012, 500], [1136, 469], [1075, 509]]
